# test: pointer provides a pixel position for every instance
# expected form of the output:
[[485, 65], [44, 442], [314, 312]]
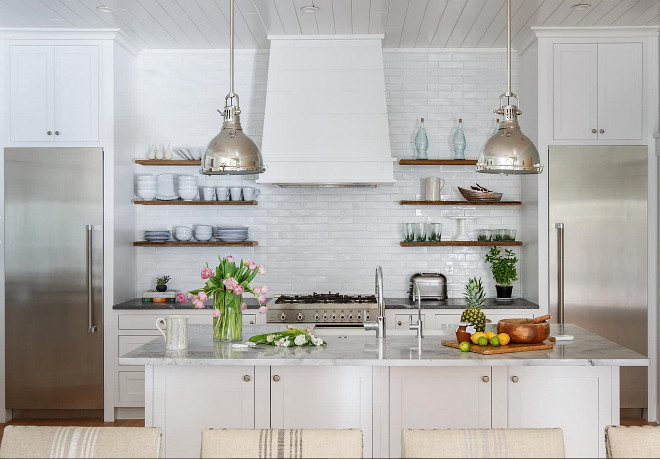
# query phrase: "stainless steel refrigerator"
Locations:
[[54, 278], [600, 194]]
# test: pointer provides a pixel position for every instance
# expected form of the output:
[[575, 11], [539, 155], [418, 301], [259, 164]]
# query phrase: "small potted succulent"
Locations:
[[504, 271], [161, 283]]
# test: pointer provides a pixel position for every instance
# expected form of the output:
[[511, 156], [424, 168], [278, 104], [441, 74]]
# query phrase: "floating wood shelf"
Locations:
[[459, 243], [195, 244], [460, 203], [438, 162], [169, 162], [180, 202]]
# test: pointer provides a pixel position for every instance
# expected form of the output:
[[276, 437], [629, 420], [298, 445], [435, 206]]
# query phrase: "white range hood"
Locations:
[[326, 115]]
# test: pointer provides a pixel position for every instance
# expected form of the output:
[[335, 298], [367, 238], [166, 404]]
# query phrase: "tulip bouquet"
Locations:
[[226, 285]]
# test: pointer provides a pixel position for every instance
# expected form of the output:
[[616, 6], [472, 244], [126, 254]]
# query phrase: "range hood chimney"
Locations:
[[326, 113]]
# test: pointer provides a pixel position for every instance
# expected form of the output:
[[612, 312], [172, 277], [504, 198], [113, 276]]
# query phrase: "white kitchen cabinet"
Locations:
[[597, 91], [322, 397], [54, 93], [438, 398], [131, 386], [403, 321], [219, 399], [576, 399]]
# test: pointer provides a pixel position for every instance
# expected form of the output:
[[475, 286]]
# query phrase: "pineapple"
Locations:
[[474, 299]]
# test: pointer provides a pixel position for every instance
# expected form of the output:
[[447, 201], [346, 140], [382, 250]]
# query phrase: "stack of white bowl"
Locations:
[[186, 187], [183, 233], [147, 186], [203, 232]]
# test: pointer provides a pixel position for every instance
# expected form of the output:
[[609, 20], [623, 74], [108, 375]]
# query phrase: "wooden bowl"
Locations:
[[522, 331], [476, 196]]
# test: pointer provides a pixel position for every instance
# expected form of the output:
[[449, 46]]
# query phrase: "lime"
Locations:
[[483, 341], [495, 341], [464, 346]]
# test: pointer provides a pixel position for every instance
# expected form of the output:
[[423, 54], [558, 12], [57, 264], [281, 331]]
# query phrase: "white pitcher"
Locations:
[[434, 186], [175, 333]]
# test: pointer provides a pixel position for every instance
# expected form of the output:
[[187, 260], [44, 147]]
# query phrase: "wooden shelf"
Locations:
[[180, 202], [195, 244], [169, 162], [438, 162], [460, 203], [460, 244]]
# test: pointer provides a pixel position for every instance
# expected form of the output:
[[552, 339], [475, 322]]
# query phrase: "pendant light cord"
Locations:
[[231, 49], [508, 46]]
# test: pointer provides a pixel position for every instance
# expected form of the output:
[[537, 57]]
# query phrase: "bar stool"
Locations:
[[633, 441]]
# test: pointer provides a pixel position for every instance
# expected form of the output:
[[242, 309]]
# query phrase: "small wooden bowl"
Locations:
[[523, 331]]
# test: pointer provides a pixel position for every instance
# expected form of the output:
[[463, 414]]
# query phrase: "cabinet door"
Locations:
[[576, 399], [222, 397], [575, 91], [620, 85], [320, 397], [77, 93], [438, 398], [31, 93]]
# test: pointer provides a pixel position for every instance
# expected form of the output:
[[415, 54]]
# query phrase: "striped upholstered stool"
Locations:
[[633, 441], [31, 441], [298, 443], [462, 443]]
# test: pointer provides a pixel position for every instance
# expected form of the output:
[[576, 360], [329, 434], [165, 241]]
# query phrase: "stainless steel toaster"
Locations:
[[432, 286]]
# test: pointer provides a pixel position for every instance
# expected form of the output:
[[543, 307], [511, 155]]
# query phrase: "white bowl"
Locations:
[[187, 186], [203, 227], [180, 237], [188, 195], [186, 177], [203, 237], [147, 185], [147, 195], [142, 178]]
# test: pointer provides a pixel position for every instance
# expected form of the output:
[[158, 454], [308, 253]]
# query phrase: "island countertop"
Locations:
[[588, 349]]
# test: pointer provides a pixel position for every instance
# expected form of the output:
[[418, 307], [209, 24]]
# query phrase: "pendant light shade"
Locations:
[[231, 152], [509, 151]]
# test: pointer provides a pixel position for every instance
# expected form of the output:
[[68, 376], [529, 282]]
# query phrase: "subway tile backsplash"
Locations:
[[329, 239]]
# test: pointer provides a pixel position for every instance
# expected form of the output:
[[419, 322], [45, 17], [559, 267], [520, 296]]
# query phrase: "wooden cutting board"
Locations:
[[512, 347]]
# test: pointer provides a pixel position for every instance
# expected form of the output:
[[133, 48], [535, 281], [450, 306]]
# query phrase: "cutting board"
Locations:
[[490, 350]]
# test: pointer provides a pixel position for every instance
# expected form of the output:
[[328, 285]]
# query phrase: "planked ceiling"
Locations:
[[153, 24]]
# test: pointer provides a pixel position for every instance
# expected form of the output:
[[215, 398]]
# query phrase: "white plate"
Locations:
[[166, 186]]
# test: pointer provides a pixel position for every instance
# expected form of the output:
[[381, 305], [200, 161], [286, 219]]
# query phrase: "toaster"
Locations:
[[432, 286]]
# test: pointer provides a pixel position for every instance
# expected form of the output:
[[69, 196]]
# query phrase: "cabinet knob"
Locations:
[[593, 131], [485, 379], [399, 323], [246, 378], [276, 378], [49, 132], [252, 322], [514, 378], [602, 131], [57, 132]]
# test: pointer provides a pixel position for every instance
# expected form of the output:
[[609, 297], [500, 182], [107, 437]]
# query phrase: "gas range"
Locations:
[[322, 308]]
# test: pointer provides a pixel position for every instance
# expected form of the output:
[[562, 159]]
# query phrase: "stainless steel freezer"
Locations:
[[600, 194], [54, 276]]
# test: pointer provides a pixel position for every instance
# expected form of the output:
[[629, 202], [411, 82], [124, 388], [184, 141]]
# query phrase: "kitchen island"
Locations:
[[381, 386]]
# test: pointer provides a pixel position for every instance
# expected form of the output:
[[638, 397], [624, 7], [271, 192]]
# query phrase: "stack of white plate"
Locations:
[[147, 186], [166, 188], [157, 235], [231, 233], [186, 187]]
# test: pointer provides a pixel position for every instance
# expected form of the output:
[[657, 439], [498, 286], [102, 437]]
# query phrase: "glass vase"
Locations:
[[227, 317], [421, 142]]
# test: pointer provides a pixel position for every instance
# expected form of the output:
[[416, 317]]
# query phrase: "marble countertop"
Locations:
[[363, 348], [390, 303]]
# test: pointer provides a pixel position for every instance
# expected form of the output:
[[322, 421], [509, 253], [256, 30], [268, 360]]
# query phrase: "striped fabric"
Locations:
[[281, 443], [466, 443], [80, 442], [632, 441]]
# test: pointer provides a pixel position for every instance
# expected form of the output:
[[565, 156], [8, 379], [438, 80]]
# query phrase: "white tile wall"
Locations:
[[320, 239]]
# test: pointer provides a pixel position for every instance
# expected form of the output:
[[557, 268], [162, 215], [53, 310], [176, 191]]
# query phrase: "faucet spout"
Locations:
[[378, 325]]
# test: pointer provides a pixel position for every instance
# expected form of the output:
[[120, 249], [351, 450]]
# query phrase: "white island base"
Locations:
[[382, 387]]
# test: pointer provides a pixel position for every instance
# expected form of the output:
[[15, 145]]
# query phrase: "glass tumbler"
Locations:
[[408, 232], [434, 232], [420, 232]]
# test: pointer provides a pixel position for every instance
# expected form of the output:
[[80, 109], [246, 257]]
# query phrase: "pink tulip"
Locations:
[[230, 283], [262, 269], [252, 266], [243, 305], [238, 290], [206, 273], [264, 289], [257, 290], [247, 262], [263, 299], [216, 313], [182, 297], [263, 309], [193, 298], [198, 304], [229, 258], [202, 297]]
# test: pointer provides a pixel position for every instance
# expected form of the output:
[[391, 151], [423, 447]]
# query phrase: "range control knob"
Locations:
[[359, 317], [300, 317], [350, 317], [325, 317], [283, 317], [342, 317], [334, 317], [317, 317]]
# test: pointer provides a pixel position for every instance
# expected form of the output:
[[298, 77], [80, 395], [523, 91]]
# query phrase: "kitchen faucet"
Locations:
[[418, 326], [379, 324]]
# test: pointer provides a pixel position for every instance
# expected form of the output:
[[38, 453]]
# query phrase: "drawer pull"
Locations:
[[602, 131], [399, 323], [485, 379], [246, 378], [593, 131], [514, 378], [276, 378]]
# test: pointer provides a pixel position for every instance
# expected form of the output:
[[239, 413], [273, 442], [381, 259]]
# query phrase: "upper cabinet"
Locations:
[[598, 91], [54, 93]]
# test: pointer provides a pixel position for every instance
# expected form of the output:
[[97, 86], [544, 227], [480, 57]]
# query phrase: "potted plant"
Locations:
[[504, 271], [161, 283]]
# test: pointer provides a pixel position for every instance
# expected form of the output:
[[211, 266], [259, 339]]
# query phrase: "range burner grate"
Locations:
[[325, 298]]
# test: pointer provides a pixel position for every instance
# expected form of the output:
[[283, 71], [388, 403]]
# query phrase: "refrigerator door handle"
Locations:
[[91, 328]]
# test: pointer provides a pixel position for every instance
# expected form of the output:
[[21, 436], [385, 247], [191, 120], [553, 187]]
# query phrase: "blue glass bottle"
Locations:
[[421, 142], [458, 141]]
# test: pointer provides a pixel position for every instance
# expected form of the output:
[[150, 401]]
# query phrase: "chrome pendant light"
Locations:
[[231, 152], [509, 151]]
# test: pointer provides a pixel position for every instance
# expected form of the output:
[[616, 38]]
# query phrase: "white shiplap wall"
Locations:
[[319, 239]]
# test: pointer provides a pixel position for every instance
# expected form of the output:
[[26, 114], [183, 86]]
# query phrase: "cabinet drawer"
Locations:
[[127, 343], [131, 386], [403, 321], [148, 321], [249, 319]]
